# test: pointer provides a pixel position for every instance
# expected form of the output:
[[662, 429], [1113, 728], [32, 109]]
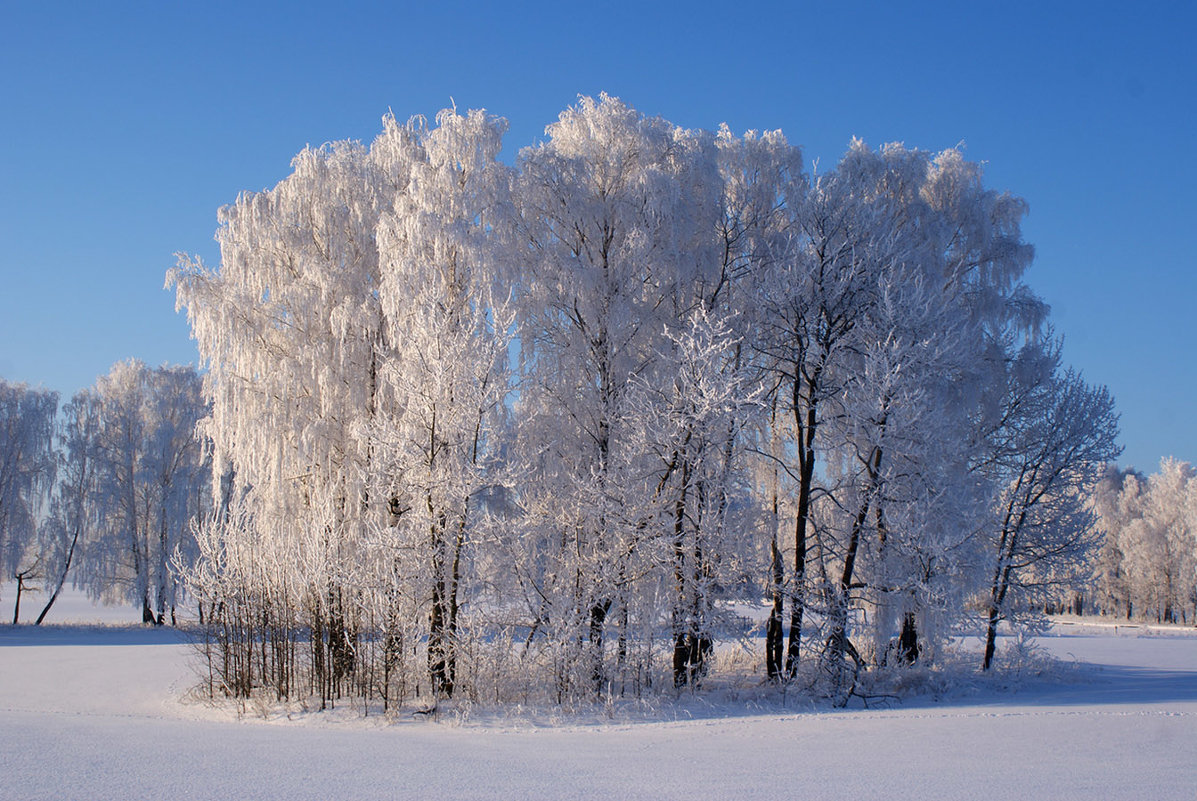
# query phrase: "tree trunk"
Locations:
[[773, 627], [806, 476], [16, 610], [437, 670], [454, 584], [681, 626], [908, 640], [438, 614], [1001, 584], [598, 618], [62, 579], [160, 568], [990, 638]]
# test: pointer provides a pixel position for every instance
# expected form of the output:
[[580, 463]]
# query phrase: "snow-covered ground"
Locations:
[[101, 712]]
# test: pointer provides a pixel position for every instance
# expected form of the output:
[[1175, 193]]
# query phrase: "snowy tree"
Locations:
[[74, 504], [762, 183], [355, 335], [1056, 436], [1116, 504], [609, 252], [1147, 561], [27, 467], [900, 265], [1160, 542], [815, 300], [147, 485], [811, 304], [180, 470], [447, 317], [903, 471], [694, 423], [290, 328]]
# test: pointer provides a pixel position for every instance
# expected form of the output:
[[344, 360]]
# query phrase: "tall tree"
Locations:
[[447, 317], [73, 506], [813, 301], [762, 183], [290, 328], [1056, 436], [27, 467], [604, 217], [149, 475]]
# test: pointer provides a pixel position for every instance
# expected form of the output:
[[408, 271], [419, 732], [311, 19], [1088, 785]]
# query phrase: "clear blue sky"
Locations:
[[125, 126]]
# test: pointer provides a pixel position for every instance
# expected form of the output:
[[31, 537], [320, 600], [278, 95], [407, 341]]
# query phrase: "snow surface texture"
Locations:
[[95, 712]]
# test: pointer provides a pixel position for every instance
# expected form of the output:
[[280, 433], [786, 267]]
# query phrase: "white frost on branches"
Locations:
[[529, 430]]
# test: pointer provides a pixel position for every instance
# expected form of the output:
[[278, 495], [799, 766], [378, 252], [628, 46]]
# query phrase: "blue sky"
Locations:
[[126, 126]]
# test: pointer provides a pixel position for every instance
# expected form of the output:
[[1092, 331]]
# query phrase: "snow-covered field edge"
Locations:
[[96, 711]]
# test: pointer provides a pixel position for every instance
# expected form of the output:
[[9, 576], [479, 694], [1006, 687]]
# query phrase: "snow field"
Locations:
[[90, 712]]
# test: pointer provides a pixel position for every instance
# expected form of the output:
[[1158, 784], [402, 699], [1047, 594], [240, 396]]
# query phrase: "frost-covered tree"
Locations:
[[610, 257], [290, 328], [355, 335], [902, 472], [143, 474], [74, 503], [897, 261], [1116, 502], [1148, 557], [447, 319], [1056, 436], [27, 467], [762, 184], [1168, 541], [811, 300], [694, 423]]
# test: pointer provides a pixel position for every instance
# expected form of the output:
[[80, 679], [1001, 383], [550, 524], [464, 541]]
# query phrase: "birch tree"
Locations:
[[290, 329], [447, 316], [1056, 437], [814, 301], [601, 215], [27, 467], [1154, 527], [763, 183], [147, 484], [73, 509]]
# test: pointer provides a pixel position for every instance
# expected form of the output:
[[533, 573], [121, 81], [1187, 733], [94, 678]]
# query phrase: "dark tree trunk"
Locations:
[[681, 626], [681, 659], [438, 672], [990, 638], [341, 648], [690, 654], [806, 476], [908, 640], [598, 619], [773, 627], [16, 610]]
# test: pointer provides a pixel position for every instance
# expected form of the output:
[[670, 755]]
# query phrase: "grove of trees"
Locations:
[[106, 493], [1145, 568], [531, 431], [542, 431]]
